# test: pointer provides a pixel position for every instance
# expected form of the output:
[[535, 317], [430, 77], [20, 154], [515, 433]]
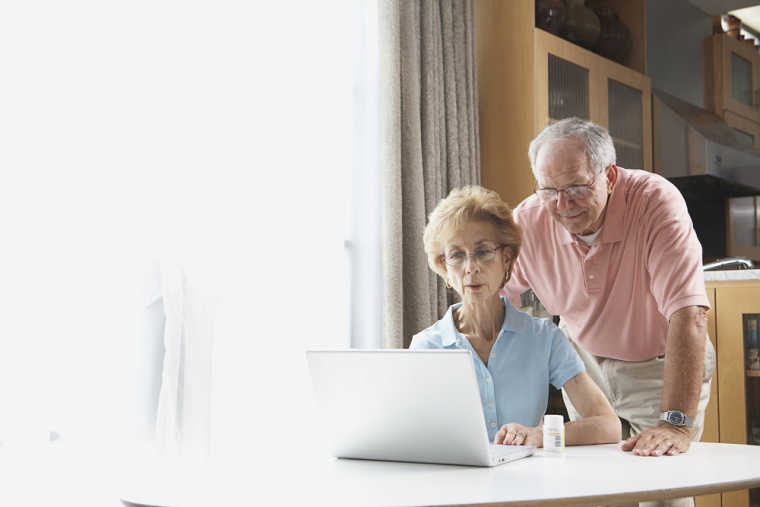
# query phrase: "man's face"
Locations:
[[561, 164]]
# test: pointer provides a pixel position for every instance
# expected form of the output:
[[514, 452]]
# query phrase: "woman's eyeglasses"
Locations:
[[456, 259]]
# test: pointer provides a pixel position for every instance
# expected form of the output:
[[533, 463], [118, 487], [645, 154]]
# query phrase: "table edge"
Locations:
[[643, 496]]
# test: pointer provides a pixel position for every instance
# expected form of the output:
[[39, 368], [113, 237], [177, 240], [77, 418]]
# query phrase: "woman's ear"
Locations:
[[443, 271], [509, 262], [442, 265]]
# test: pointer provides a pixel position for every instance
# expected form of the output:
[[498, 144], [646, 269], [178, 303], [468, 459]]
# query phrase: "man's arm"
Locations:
[[684, 365]]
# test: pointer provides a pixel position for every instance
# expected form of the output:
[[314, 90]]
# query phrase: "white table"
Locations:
[[586, 475]]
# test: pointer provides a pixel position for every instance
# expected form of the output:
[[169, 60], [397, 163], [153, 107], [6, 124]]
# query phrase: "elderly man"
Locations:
[[612, 251]]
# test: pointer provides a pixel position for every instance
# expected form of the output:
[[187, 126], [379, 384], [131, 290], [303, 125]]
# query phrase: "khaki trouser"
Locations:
[[634, 389]]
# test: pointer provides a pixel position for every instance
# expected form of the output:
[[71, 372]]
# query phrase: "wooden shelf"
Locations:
[[753, 373], [627, 144]]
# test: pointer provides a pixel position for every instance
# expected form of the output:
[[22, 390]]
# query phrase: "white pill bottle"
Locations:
[[554, 435]]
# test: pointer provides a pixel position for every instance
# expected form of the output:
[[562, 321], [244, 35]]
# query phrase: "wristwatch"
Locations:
[[676, 418]]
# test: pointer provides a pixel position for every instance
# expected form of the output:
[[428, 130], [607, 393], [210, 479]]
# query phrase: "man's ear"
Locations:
[[612, 177]]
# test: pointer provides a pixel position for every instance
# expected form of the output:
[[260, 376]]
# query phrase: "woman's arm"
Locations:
[[598, 423]]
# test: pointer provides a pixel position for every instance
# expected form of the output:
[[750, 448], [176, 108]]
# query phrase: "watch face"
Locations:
[[676, 418]]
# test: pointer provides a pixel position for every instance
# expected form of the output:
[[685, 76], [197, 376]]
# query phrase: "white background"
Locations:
[[215, 134]]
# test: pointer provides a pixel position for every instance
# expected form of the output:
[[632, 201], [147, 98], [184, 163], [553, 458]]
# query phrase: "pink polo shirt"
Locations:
[[617, 295]]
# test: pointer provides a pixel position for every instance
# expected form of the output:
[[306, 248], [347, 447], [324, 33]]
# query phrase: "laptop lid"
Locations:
[[401, 405]]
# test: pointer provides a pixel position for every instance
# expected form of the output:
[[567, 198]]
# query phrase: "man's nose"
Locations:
[[562, 200]]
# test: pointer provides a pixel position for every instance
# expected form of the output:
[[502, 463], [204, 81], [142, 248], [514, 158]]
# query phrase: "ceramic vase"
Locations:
[[550, 15], [615, 41], [734, 26], [582, 25]]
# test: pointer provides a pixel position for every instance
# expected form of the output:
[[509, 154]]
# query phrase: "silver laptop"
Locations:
[[402, 405]]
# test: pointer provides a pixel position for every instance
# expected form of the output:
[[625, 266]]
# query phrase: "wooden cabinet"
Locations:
[[711, 431], [571, 81], [747, 131], [732, 86], [743, 227], [733, 415], [732, 80], [528, 77]]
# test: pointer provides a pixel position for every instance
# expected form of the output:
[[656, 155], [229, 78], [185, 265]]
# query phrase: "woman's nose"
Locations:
[[471, 264]]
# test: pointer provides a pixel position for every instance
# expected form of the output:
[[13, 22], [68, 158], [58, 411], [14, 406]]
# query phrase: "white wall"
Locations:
[[675, 31], [722, 6]]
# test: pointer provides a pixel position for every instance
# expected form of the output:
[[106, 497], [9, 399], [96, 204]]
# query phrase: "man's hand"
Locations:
[[517, 434], [663, 439]]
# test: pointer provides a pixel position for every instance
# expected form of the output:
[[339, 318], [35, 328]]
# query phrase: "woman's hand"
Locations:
[[517, 434]]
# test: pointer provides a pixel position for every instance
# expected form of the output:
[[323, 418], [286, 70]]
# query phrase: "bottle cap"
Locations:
[[553, 421]]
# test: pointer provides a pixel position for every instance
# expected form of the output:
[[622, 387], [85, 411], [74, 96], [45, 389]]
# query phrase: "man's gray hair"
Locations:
[[600, 151]]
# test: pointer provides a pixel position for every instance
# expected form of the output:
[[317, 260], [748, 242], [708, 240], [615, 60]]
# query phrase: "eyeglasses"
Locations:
[[482, 256], [575, 192]]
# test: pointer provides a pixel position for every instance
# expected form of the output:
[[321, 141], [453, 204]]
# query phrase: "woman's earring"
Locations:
[[448, 284]]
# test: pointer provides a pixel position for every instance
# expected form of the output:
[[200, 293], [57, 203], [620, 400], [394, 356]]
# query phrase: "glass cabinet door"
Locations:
[[568, 89], [734, 77], [741, 79], [752, 367], [738, 325], [626, 123], [747, 131], [743, 220], [751, 325]]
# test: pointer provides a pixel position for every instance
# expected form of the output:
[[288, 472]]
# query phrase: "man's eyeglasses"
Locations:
[[576, 192], [456, 259]]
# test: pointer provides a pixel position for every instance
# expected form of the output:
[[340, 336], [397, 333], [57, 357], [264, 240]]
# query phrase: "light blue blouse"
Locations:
[[528, 354]]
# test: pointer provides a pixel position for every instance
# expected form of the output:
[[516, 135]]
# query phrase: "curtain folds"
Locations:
[[183, 416], [430, 144]]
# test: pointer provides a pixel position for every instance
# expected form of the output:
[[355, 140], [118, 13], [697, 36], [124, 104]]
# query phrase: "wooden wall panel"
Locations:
[[711, 432], [504, 39]]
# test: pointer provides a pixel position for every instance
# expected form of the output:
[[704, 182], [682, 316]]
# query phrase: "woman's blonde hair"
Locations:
[[461, 206]]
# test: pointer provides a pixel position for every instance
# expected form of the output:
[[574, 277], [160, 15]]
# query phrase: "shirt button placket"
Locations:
[[491, 412], [592, 277]]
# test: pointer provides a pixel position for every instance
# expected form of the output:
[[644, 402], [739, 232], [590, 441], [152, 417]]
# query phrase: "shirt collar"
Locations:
[[450, 334], [613, 220]]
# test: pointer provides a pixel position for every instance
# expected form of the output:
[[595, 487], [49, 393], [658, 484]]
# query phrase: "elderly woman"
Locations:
[[472, 242]]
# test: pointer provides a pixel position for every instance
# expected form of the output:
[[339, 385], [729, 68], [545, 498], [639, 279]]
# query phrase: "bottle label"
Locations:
[[554, 440]]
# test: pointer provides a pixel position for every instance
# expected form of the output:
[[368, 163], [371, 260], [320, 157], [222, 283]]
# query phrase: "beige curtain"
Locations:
[[430, 144]]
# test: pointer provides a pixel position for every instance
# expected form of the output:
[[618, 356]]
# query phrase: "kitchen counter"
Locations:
[[732, 274]]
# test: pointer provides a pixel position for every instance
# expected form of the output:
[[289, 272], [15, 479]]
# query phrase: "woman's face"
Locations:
[[475, 261]]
